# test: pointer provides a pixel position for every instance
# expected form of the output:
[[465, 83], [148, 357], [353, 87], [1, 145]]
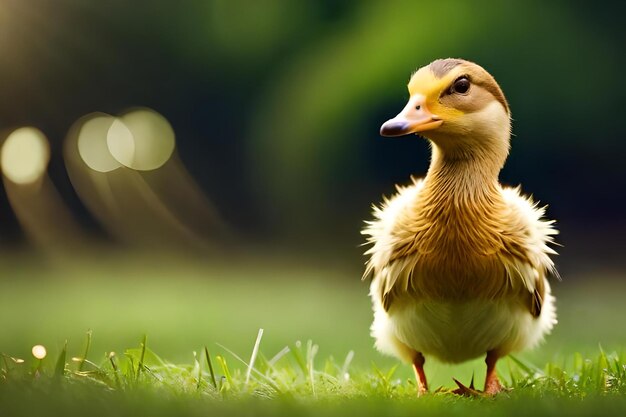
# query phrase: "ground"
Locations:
[[315, 355]]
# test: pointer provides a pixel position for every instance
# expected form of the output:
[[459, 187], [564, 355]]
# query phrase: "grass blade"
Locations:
[[59, 370], [142, 357], [269, 381], [311, 351], [530, 369], [297, 354], [346, 364], [211, 371], [278, 356], [225, 371], [116, 371], [198, 369], [84, 358], [255, 352]]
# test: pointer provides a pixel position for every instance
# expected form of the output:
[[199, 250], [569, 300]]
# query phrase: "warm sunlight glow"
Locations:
[[25, 155], [141, 139], [92, 144]]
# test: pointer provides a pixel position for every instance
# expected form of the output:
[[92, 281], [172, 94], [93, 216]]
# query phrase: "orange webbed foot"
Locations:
[[492, 388]]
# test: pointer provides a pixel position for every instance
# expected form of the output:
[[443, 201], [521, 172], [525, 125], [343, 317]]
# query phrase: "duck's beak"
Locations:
[[414, 118]]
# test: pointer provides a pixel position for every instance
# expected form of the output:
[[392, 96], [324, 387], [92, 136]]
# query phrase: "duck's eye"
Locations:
[[460, 86]]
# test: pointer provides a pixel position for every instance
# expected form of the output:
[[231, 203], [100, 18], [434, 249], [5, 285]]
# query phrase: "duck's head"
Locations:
[[457, 105]]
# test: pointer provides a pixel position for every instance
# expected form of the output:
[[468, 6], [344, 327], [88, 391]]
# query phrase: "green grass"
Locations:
[[202, 322], [292, 379]]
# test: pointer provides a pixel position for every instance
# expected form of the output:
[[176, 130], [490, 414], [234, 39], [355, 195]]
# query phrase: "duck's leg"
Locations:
[[420, 376], [492, 383]]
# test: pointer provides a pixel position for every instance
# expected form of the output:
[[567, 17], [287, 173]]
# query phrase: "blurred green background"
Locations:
[[276, 107]]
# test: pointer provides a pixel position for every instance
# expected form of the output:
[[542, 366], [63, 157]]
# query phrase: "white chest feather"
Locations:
[[459, 331]]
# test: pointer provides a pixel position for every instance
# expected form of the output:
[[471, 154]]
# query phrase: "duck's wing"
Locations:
[[388, 270], [534, 265]]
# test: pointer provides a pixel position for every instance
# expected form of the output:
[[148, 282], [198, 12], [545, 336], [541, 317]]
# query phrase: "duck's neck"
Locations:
[[462, 180]]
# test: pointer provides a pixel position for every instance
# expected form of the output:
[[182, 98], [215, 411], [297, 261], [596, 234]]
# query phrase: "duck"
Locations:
[[459, 263]]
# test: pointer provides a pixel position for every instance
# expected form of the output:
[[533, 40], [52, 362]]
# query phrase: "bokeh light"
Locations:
[[39, 351], [121, 143], [141, 139], [92, 143], [25, 155]]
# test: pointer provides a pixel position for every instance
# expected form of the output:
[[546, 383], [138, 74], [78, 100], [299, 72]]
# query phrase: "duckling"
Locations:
[[459, 263]]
